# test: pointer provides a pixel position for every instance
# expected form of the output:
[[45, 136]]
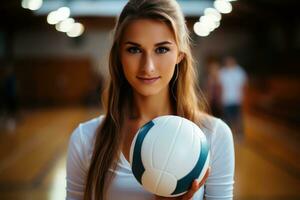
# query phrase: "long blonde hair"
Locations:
[[186, 98]]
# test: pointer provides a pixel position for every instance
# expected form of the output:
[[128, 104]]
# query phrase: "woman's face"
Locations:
[[148, 55]]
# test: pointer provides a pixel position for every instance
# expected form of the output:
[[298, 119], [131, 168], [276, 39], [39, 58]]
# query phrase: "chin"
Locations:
[[147, 92]]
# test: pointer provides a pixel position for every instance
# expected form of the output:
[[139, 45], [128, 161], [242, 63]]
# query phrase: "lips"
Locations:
[[148, 80]]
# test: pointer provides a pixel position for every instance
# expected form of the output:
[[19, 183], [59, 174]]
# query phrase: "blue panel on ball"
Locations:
[[185, 183], [137, 165]]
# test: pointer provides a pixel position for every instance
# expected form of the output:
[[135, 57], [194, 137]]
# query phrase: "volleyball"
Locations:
[[167, 154]]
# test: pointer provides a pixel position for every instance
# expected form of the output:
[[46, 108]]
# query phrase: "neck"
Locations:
[[148, 107]]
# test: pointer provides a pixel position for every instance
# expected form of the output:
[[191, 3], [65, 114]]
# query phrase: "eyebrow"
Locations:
[[157, 44]]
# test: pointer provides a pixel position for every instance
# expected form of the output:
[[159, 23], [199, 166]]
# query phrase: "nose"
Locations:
[[148, 66]]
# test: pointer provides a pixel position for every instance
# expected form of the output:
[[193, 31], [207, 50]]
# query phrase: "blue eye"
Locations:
[[162, 50], [133, 50]]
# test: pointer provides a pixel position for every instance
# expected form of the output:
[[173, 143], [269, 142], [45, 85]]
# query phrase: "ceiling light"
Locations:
[[76, 30], [223, 6], [201, 29], [65, 25]]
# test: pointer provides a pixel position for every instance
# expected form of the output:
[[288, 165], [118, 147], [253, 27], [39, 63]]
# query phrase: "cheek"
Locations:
[[129, 64], [168, 64]]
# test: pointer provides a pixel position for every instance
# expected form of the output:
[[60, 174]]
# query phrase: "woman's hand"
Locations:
[[189, 195]]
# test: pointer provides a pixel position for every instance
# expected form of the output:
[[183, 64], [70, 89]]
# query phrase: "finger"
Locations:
[[191, 191], [205, 177], [195, 186], [161, 198], [167, 198]]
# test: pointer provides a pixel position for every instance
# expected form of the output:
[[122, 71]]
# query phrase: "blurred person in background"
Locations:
[[9, 97], [213, 88], [232, 79]]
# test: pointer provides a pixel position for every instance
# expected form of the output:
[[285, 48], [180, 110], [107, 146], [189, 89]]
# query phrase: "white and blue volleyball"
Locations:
[[167, 154]]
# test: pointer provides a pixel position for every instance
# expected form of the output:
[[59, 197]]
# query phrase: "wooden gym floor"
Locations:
[[32, 157]]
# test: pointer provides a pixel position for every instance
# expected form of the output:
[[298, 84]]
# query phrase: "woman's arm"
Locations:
[[76, 172], [219, 184]]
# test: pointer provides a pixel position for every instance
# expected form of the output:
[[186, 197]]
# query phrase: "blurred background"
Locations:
[[53, 68]]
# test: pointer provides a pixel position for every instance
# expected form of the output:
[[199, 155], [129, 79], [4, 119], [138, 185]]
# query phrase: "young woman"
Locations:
[[152, 74]]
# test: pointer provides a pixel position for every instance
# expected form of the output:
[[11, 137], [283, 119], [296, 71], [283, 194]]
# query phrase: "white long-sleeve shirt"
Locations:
[[124, 186], [232, 82]]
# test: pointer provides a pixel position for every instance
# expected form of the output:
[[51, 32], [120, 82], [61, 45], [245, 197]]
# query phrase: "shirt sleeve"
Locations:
[[76, 172], [219, 184]]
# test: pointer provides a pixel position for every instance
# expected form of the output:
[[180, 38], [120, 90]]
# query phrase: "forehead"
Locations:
[[147, 31]]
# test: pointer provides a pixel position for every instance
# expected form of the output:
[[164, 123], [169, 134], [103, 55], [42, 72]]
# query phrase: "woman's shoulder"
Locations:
[[85, 132], [215, 128], [79, 154]]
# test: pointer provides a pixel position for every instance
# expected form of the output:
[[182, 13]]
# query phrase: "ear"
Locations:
[[180, 57]]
